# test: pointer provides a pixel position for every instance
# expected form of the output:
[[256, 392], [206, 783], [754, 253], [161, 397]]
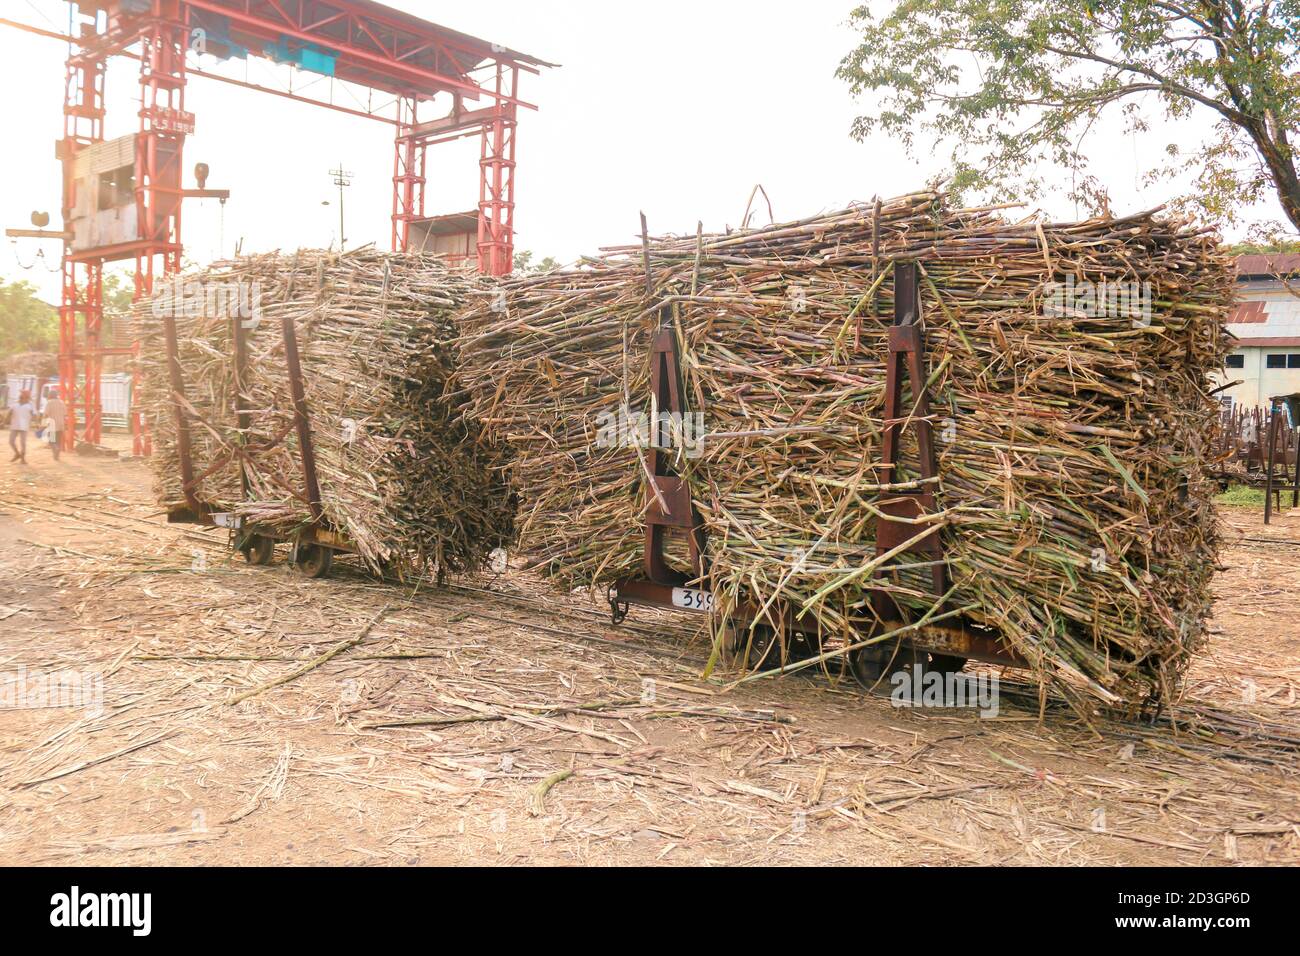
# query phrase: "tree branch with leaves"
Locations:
[[1013, 84], [26, 323]]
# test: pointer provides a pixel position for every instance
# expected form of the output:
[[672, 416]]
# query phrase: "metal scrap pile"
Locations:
[[1068, 371], [401, 473]]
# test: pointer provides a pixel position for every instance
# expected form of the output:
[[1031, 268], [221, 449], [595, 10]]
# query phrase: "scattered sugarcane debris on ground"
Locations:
[[401, 474], [1068, 369], [494, 721]]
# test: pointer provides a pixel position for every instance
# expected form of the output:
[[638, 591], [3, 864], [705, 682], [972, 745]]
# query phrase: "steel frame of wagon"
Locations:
[[317, 534]]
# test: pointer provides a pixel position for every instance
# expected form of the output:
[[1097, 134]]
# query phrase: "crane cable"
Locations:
[[40, 256]]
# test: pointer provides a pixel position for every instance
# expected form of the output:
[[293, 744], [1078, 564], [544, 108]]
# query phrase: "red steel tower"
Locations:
[[122, 199]]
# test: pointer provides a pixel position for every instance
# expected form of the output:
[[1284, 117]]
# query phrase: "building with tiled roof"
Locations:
[[1266, 357]]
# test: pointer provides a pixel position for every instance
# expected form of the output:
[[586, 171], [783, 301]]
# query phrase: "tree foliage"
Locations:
[[26, 323], [1284, 247], [524, 265], [1008, 85], [119, 290]]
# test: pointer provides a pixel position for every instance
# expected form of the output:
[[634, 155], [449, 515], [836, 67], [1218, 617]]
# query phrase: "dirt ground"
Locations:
[[495, 722]]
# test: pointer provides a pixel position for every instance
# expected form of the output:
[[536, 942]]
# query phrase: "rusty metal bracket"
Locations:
[[901, 509], [184, 450], [302, 421], [669, 495], [669, 505], [242, 417]]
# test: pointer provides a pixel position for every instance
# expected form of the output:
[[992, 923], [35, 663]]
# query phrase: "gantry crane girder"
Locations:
[[357, 41]]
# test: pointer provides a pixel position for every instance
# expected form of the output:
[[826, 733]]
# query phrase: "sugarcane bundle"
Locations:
[[44, 364], [401, 473], [1067, 372]]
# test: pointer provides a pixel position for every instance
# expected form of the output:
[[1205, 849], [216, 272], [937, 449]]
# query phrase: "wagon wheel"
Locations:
[[946, 663], [314, 560], [867, 665], [750, 646], [800, 647], [875, 666], [765, 648], [258, 549]]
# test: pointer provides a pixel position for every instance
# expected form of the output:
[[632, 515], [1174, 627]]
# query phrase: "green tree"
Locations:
[[26, 323], [1281, 247], [1008, 84], [119, 290], [524, 264]]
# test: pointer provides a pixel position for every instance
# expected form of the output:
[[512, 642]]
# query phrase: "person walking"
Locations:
[[19, 422], [56, 413]]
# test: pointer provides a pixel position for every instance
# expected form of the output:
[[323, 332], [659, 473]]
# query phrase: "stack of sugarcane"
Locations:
[[1068, 387], [31, 363], [401, 472]]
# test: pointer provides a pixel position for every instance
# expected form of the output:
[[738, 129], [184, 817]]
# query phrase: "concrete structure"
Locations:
[[1266, 359]]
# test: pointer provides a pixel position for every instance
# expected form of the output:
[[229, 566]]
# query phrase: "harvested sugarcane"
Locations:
[[1068, 368], [402, 475]]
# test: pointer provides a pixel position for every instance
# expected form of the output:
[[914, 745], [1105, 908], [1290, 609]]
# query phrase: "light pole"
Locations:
[[342, 178]]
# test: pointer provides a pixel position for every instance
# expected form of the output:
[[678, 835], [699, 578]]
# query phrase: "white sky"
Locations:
[[677, 108]]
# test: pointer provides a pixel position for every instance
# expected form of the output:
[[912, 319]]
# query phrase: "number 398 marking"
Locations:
[[693, 599]]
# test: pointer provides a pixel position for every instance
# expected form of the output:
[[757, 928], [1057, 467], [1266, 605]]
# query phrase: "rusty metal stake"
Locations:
[[1295, 455], [300, 418], [1274, 409], [907, 357], [177, 382], [242, 417]]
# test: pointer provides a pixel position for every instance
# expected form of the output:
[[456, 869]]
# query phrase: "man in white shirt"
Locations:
[[56, 413], [19, 422]]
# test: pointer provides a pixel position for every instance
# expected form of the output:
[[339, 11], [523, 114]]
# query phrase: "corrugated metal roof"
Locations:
[[1268, 265], [387, 50], [419, 24], [1248, 313]]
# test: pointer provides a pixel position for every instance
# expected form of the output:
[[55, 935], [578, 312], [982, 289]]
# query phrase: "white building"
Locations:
[[1266, 357]]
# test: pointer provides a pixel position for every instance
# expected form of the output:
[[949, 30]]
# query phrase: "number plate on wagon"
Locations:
[[693, 599]]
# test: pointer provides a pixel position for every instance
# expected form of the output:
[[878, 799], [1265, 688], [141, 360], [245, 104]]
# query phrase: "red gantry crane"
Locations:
[[122, 198]]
